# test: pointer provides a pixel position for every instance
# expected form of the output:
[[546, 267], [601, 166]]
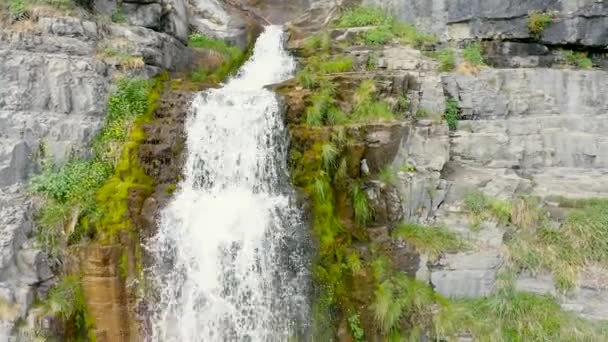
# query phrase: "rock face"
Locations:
[[522, 129], [576, 22], [55, 82]]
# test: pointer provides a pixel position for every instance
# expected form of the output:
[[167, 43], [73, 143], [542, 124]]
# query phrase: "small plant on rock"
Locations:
[[578, 59], [473, 54], [538, 21], [118, 15], [364, 16], [451, 114], [431, 241], [362, 210], [17, 9], [446, 58], [388, 175]]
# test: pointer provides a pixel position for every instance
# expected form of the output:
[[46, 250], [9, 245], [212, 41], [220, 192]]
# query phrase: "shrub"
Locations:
[[364, 16], [451, 114], [578, 59], [538, 22], [356, 330], [72, 183], [473, 54], [430, 240], [446, 58]]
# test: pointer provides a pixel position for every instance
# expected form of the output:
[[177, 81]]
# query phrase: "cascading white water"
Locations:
[[230, 254]]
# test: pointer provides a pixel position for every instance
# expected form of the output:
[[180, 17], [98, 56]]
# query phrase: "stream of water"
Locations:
[[231, 250]]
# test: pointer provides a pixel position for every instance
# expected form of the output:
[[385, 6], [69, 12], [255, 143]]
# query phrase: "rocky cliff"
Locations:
[[58, 65], [475, 154], [500, 145]]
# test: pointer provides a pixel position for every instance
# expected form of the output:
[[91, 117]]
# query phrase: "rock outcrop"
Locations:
[[575, 22], [56, 72]]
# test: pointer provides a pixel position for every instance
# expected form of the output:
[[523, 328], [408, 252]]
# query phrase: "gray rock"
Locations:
[[70, 27], [213, 18], [158, 49], [577, 22], [467, 275], [176, 19], [105, 7], [146, 15]]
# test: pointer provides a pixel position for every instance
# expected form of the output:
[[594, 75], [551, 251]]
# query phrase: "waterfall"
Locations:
[[230, 256]]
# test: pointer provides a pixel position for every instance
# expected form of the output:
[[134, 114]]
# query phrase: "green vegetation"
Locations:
[[363, 211], [446, 58], [118, 15], [422, 113], [482, 207], [320, 42], [83, 196], [400, 301], [388, 175], [473, 54], [431, 241], [364, 16], [372, 62], [307, 79], [127, 61], [386, 29], [581, 240], [17, 9], [538, 21], [379, 36], [578, 59], [451, 114], [66, 300], [329, 153], [231, 59], [373, 111], [330, 64], [407, 167], [354, 323]]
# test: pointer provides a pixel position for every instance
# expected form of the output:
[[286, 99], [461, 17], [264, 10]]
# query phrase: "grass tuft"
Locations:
[[578, 59], [451, 114], [432, 241], [364, 16], [361, 208], [446, 58], [473, 54]]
